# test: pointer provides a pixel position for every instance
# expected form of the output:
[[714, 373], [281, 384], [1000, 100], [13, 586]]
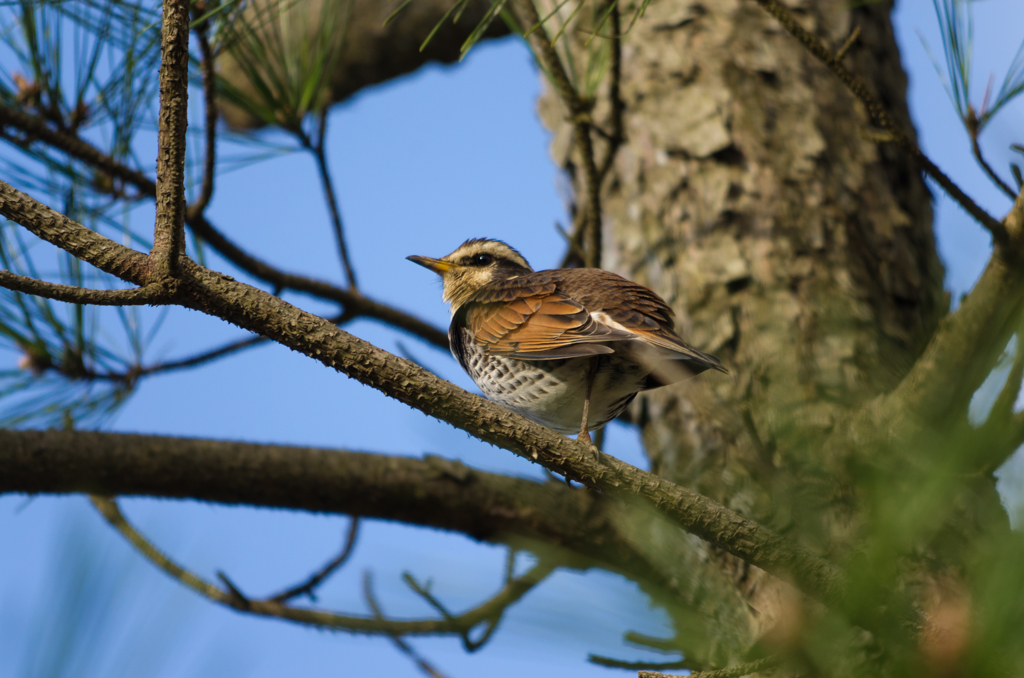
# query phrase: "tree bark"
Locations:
[[750, 196]]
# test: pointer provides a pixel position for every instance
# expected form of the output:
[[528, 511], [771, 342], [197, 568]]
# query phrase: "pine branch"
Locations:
[[169, 231], [148, 295]]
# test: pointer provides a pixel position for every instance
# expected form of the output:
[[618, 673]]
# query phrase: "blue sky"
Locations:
[[421, 164]]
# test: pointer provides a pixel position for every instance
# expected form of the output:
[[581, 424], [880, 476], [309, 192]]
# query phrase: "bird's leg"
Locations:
[[584, 432]]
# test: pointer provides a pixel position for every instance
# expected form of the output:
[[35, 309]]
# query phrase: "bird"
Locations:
[[567, 348]]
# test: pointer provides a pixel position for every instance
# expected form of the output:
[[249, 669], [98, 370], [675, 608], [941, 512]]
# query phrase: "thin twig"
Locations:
[[512, 591], [152, 294], [211, 354], [880, 116], [764, 665], [576, 254], [356, 303], [405, 648], [237, 600], [308, 587], [169, 231], [617, 135], [317, 149], [850, 41], [210, 102], [203, 357], [973, 131]]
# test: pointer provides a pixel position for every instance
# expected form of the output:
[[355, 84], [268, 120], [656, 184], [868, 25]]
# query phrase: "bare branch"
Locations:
[[169, 232], [766, 665], [308, 587], [972, 129], [354, 302], [848, 45], [880, 116], [150, 294], [514, 589], [212, 354], [234, 598], [72, 237], [202, 358], [403, 647], [210, 123], [317, 149]]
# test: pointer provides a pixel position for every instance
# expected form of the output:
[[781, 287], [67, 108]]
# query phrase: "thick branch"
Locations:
[[169, 232], [150, 294], [429, 492], [969, 340]]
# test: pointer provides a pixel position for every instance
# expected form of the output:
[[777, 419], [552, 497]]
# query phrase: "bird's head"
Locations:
[[474, 264]]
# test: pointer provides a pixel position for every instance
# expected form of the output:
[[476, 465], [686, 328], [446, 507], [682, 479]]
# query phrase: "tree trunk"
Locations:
[[750, 195]]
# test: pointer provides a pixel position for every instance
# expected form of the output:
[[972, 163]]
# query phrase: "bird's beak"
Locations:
[[438, 266]]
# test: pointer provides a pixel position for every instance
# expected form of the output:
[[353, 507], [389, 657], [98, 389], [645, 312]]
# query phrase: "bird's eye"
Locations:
[[483, 259]]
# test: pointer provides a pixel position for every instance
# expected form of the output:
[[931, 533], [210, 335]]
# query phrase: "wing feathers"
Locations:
[[571, 313]]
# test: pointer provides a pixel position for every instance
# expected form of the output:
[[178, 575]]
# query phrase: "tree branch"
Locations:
[[235, 599], [972, 129], [430, 492], [150, 294], [317, 149], [72, 237], [969, 340], [309, 586], [880, 116], [405, 648], [169, 232], [354, 302], [265, 314], [514, 589], [210, 123]]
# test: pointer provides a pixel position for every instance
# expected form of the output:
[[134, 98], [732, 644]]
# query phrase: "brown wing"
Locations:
[[531, 320], [635, 308]]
